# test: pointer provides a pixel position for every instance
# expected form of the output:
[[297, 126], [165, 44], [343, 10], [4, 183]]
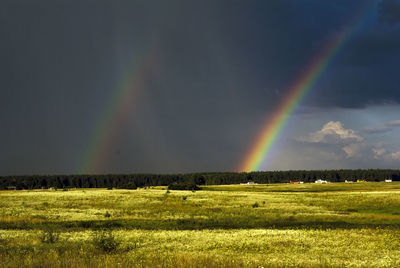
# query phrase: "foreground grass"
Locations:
[[231, 226], [208, 248]]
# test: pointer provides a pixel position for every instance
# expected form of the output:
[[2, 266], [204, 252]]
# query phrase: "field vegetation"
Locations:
[[265, 225]]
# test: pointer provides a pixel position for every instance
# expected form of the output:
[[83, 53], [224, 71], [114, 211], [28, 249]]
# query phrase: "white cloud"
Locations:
[[355, 150], [333, 133], [386, 155], [386, 127], [378, 152], [334, 142], [394, 123], [394, 156]]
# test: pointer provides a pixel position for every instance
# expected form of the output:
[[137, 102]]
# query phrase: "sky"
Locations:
[[101, 86]]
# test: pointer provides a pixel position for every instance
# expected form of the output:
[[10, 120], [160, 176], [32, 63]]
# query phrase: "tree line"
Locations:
[[133, 181]]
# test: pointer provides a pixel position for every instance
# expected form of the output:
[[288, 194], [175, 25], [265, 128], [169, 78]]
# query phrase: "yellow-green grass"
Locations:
[[307, 187], [208, 248], [233, 226]]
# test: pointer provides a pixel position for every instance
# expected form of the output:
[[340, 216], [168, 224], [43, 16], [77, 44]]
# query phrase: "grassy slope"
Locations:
[[301, 225]]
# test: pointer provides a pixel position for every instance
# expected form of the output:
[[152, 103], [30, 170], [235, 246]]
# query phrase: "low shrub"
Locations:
[[183, 186], [105, 241], [49, 235], [129, 185]]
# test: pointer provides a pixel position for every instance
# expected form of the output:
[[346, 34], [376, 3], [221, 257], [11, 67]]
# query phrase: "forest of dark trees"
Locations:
[[213, 178]]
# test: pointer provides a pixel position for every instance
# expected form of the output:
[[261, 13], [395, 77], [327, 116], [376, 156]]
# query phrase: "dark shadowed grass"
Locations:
[[189, 224]]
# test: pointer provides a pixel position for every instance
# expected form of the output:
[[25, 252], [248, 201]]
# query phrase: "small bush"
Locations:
[[255, 205], [183, 186], [352, 210], [2, 240], [107, 215], [49, 235], [184, 198], [105, 241], [129, 185]]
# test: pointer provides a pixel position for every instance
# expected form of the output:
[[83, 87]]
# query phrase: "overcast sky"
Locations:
[[203, 77]]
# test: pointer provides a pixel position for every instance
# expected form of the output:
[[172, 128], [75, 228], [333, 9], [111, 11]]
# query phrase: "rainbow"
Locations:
[[119, 108], [299, 89]]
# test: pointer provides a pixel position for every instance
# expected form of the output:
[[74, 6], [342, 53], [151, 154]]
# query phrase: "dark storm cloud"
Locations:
[[390, 11], [220, 68], [365, 72], [54, 59]]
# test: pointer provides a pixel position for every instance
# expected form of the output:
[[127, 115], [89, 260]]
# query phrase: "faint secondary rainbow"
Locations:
[[117, 111], [299, 89]]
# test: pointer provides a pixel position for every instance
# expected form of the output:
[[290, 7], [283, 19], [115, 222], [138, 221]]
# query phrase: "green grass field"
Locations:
[[338, 224]]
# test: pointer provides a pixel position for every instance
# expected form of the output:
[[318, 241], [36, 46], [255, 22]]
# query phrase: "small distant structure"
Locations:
[[321, 181], [248, 183], [346, 181], [296, 182], [13, 188], [388, 180]]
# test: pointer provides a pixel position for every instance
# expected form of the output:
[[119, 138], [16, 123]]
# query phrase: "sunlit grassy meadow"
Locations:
[[304, 225]]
